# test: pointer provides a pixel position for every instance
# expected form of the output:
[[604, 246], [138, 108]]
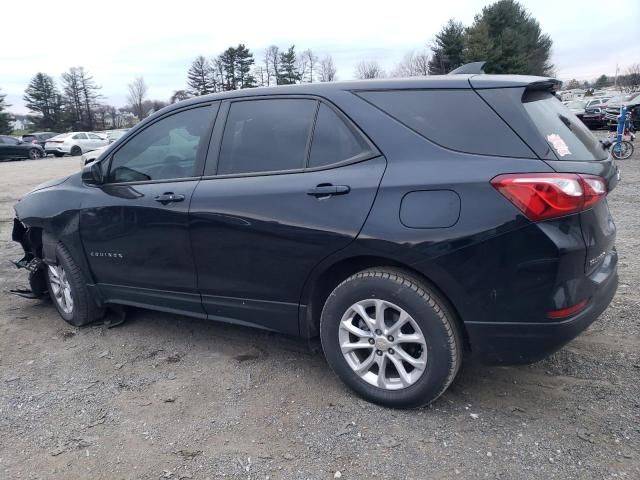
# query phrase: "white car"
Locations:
[[74, 143]]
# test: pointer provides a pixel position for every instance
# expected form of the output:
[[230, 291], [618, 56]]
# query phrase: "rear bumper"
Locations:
[[511, 343]]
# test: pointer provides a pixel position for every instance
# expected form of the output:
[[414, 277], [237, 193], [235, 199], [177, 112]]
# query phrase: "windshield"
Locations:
[[568, 137]]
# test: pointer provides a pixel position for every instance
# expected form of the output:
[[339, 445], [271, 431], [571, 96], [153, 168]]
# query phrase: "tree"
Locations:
[[631, 79], [572, 84], [43, 98], [447, 50], [200, 77], [5, 117], [601, 81], [307, 66], [72, 98], [179, 95], [289, 73], [89, 94], [272, 64], [510, 40], [327, 69], [413, 65], [137, 96], [367, 70], [244, 63]]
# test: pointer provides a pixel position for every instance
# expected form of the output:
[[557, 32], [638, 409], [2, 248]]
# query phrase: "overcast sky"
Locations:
[[121, 40]]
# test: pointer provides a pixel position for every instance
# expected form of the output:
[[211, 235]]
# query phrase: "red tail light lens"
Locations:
[[541, 196], [567, 312]]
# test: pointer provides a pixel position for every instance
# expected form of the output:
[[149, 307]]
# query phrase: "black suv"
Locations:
[[404, 222]]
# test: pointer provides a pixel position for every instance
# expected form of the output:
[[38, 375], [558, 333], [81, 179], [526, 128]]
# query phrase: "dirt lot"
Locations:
[[164, 396]]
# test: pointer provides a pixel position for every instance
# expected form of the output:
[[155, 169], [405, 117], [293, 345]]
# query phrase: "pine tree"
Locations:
[[5, 117], [602, 81], [510, 40], [288, 67], [43, 98], [228, 63], [448, 48], [244, 63], [200, 78]]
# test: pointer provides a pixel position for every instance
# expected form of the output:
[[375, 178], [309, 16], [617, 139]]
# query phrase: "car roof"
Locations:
[[461, 81]]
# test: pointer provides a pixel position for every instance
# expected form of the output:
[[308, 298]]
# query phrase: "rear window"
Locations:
[[567, 136], [455, 119]]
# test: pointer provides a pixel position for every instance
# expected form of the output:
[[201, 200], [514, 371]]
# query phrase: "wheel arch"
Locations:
[[321, 284]]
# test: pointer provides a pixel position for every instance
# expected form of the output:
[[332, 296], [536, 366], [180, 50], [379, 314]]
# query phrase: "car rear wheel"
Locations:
[[390, 338], [76, 150], [68, 291]]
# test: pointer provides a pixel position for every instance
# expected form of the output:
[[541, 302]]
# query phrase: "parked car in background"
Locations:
[[13, 148], [38, 137], [343, 211], [92, 156], [593, 116], [113, 135], [75, 143], [612, 111]]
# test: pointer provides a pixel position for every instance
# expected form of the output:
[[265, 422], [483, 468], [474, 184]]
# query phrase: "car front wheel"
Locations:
[[68, 291], [390, 338], [34, 154]]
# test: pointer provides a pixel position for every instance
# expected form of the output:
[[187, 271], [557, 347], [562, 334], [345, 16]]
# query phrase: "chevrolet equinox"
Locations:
[[403, 222]]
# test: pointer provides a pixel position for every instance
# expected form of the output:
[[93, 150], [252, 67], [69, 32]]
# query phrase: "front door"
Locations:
[[276, 204], [135, 226]]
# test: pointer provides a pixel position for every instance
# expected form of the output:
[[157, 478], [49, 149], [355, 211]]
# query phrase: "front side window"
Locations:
[[333, 140], [165, 150], [266, 136]]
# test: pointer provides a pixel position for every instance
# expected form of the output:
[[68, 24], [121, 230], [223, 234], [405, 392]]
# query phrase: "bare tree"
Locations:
[[367, 70], [137, 96], [412, 65], [260, 74], [307, 65], [631, 79], [327, 70], [272, 64]]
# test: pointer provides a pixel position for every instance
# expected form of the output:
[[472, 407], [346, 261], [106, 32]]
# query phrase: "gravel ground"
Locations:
[[164, 396]]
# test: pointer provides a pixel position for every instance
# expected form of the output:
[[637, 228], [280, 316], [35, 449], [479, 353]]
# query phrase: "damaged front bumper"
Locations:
[[31, 261]]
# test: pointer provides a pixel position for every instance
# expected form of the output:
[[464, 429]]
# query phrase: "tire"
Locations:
[[75, 151], [436, 355], [34, 154], [58, 154], [623, 152], [68, 291]]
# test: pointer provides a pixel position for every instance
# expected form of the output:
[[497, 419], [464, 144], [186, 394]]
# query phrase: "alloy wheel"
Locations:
[[382, 344], [61, 288]]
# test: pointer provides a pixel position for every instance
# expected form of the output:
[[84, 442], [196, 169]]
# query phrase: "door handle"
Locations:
[[169, 197], [328, 190]]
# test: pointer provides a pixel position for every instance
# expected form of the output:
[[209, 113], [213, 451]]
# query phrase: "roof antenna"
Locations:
[[469, 68]]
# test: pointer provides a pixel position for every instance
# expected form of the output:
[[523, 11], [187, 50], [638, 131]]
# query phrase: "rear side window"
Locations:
[[455, 119], [80, 136], [333, 140], [266, 136], [567, 136]]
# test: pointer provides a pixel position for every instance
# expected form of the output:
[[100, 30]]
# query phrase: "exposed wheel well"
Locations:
[[343, 269]]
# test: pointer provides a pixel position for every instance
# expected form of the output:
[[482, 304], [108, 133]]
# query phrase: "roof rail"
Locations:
[[475, 67]]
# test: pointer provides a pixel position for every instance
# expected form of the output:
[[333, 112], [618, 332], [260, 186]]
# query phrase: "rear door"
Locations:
[[279, 195]]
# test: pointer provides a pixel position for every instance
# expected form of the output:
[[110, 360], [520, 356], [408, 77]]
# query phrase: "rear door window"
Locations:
[[266, 136], [333, 140], [567, 136], [455, 119]]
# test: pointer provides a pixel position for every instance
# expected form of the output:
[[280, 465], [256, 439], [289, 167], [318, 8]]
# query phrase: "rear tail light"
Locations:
[[541, 196], [568, 311]]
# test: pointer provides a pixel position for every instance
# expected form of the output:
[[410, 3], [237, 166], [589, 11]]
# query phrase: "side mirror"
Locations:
[[92, 174]]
